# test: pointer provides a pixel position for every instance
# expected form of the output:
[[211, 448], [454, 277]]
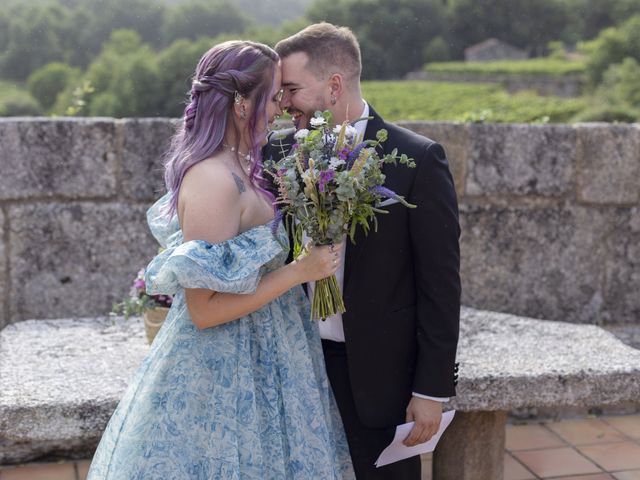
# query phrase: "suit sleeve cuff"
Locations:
[[427, 397]]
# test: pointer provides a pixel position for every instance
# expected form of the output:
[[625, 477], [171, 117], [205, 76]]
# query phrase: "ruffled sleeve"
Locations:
[[165, 229], [233, 266]]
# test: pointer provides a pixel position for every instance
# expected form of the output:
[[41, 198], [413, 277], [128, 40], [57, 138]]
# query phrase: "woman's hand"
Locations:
[[317, 262]]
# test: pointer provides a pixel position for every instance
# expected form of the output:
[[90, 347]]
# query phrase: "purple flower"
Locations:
[[383, 191], [325, 177], [343, 154], [138, 284], [276, 222], [353, 156]]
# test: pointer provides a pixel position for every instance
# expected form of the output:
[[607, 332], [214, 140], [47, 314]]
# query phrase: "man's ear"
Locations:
[[336, 87]]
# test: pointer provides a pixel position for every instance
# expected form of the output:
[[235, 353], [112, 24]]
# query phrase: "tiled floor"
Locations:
[[605, 448]]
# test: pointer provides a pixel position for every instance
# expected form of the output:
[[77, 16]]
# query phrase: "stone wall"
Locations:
[[550, 215]]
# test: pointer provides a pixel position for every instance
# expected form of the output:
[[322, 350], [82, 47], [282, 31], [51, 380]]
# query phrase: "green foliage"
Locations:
[[612, 46], [533, 66], [608, 113], [527, 24], [198, 18], [437, 50], [439, 101], [621, 84], [16, 101], [125, 77], [47, 82], [392, 33]]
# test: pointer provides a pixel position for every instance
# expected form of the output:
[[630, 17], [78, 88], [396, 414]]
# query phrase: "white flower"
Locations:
[[350, 131], [317, 121], [301, 134], [335, 162]]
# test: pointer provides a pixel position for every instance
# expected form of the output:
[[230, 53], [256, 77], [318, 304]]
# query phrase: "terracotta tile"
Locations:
[[595, 476], [531, 437], [513, 470], [587, 431], [614, 456], [42, 471], [553, 462], [83, 468], [627, 424], [627, 475]]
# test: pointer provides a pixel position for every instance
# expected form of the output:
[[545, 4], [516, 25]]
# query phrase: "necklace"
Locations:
[[246, 161]]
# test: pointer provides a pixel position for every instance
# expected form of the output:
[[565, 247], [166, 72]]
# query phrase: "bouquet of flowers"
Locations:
[[139, 301], [330, 183]]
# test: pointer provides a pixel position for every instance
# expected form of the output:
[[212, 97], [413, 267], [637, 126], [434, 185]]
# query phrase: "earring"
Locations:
[[237, 98], [333, 100], [243, 113]]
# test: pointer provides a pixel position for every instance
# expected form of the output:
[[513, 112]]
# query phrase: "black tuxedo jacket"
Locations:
[[402, 284]]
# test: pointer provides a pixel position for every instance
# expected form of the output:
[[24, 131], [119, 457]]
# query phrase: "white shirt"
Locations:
[[332, 328]]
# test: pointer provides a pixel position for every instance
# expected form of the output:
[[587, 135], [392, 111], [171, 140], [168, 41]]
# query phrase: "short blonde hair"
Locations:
[[331, 49]]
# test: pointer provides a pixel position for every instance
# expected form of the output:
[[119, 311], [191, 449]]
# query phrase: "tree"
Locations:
[[621, 84], [202, 18], [612, 46], [37, 35], [527, 24], [392, 33], [47, 82]]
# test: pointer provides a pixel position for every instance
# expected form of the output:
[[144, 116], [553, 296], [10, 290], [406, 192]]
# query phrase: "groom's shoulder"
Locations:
[[406, 139]]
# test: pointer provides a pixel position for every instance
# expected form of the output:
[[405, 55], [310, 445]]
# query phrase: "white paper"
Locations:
[[398, 451]]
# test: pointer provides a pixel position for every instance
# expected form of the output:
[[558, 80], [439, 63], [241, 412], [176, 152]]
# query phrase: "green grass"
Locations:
[[442, 101], [10, 89], [534, 66]]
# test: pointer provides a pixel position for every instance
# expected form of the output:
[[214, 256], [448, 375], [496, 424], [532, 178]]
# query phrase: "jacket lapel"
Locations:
[[353, 251]]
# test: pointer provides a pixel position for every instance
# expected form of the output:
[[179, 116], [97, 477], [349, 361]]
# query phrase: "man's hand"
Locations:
[[427, 415]]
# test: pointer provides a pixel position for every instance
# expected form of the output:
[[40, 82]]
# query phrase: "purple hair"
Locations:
[[246, 67]]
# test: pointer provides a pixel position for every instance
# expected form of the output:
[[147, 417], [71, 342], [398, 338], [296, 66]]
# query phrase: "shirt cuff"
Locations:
[[435, 399]]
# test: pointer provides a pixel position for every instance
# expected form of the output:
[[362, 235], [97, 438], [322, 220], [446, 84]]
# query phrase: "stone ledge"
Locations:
[[60, 380]]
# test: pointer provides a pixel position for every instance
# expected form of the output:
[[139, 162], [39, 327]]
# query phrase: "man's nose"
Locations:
[[286, 100]]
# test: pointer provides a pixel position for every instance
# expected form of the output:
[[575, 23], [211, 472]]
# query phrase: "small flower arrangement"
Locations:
[[138, 302], [330, 183]]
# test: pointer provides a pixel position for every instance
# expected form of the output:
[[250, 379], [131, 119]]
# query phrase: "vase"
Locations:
[[153, 320]]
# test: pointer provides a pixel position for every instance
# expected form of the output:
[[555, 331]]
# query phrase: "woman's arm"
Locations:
[[209, 208]]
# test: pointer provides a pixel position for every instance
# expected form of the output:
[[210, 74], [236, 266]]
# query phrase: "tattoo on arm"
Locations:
[[239, 182]]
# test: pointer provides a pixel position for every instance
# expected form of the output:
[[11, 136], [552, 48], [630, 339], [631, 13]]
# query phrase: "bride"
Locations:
[[234, 386]]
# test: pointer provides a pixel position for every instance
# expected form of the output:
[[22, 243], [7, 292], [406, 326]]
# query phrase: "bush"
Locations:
[[472, 102], [621, 84], [612, 46], [534, 66], [608, 113], [20, 104], [47, 82]]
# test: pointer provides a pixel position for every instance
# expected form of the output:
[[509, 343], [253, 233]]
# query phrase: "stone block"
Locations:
[[74, 259], [61, 381], [539, 262], [622, 269], [509, 362], [144, 144], [3, 274], [609, 159], [520, 160], [75, 158], [472, 447], [454, 137]]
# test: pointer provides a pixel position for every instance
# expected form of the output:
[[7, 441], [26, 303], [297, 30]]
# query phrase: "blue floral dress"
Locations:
[[248, 399]]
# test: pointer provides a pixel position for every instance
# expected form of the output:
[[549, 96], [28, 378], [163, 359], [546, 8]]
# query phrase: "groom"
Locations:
[[391, 356]]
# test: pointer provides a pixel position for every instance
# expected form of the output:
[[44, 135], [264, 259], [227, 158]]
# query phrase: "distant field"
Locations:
[[534, 66], [421, 100]]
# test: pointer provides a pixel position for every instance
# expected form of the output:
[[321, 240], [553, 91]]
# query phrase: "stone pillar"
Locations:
[[472, 448]]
